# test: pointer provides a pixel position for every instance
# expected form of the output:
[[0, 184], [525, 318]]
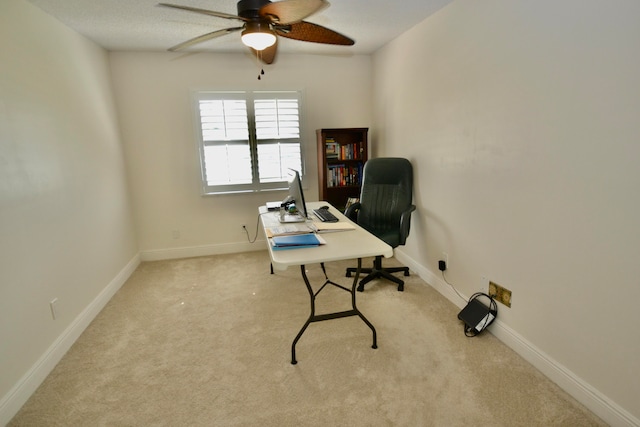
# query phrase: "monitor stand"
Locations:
[[289, 218]]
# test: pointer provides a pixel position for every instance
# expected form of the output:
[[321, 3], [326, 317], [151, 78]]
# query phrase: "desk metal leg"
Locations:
[[312, 316], [353, 304]]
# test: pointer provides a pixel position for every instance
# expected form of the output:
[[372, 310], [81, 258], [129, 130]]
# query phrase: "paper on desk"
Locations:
[[288, 230], [329, 227]]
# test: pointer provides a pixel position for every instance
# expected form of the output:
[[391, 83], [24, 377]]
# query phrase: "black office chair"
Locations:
[[384, 210]]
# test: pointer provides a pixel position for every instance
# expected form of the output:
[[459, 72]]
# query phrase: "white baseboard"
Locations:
[[612, 413], [27, 385], [11, 403], [205, 250], [595, 401]]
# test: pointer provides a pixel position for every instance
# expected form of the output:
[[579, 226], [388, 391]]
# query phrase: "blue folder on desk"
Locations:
[[295, 241]]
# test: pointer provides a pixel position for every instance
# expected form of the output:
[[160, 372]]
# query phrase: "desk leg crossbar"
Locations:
[[328, 316]]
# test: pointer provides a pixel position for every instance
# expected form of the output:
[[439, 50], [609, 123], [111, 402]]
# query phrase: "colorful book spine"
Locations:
[[344, 175]]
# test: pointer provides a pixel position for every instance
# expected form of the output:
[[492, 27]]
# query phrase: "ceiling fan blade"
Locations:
[[204, 38], [203, 11], [308, 32], [267, 55], [290, 11]]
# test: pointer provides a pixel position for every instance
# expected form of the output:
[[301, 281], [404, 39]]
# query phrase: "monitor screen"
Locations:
[[296, 195]]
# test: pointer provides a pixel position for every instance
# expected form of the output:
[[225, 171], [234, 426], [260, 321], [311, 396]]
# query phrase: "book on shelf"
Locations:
[[335, 150], [351, 201], [350, 151], [332, 148], [341, 175]]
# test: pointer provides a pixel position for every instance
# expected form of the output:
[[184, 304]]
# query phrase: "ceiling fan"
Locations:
[[263, 20]]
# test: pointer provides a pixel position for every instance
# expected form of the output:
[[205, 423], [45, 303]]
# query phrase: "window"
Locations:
[[248, 140]]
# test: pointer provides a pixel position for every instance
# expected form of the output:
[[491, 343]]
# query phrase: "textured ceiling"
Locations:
[[140, 25]]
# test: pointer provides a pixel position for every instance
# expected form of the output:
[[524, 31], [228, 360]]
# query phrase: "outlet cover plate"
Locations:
[[501, 294]]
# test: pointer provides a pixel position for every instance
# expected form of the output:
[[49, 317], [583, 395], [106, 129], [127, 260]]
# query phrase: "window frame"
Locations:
[[249, 96]]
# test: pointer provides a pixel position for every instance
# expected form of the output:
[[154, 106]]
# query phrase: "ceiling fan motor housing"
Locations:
[[263, 20], [249, 8]]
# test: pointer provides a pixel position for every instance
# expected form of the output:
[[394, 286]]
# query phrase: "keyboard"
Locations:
[[324, 215]]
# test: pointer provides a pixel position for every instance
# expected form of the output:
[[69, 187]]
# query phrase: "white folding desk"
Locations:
[[341, 245]]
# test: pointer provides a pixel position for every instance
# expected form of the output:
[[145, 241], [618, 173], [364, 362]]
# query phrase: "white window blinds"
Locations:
[[248, 139]]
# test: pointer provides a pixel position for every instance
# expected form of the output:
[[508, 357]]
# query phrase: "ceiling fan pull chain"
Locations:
[[258, 59]]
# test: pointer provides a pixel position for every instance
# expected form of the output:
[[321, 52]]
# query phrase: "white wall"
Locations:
[[153, 95], [66, 229], [521, 120]]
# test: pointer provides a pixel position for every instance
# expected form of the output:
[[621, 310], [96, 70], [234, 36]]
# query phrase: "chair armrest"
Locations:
[[352, 211], [405, 223]]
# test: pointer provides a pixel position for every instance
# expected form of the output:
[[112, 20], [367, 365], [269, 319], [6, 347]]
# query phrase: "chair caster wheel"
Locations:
[[348, 274], [406, 273], [361, 288], [400, 288]]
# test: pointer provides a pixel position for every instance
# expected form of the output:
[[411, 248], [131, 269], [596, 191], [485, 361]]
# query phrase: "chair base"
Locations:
[[379, 272]]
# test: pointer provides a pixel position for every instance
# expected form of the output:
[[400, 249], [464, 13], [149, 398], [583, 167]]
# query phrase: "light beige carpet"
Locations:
[[207, 341]]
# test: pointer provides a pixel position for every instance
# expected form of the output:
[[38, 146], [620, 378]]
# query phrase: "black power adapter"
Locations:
[[476, 315], [442, 265]]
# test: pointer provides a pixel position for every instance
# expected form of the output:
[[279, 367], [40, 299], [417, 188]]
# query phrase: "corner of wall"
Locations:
[[11, 403], [583, 392]]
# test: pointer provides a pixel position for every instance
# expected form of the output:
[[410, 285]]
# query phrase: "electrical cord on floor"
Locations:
[[453, 287], [249, 239]]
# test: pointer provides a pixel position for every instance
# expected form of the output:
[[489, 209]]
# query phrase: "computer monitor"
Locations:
[[296, 195]]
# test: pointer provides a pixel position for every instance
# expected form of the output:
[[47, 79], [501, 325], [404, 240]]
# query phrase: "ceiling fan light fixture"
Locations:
[[258, 36]]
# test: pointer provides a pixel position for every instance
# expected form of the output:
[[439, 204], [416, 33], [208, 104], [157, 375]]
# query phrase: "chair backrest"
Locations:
[[386, 194]]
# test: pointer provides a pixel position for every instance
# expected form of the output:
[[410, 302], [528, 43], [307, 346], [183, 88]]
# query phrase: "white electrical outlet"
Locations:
[[445, 258], [54, 308]]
